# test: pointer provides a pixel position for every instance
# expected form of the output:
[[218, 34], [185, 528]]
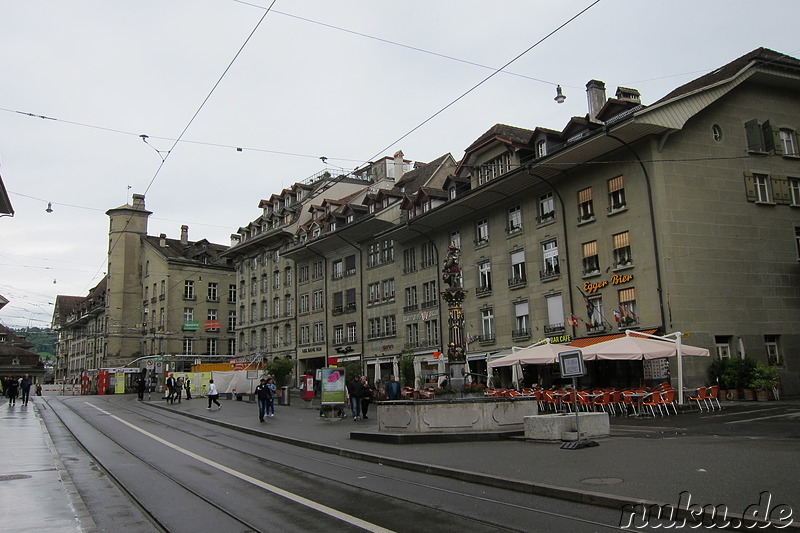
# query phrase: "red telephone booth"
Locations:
[[84, 384], [102, 382]]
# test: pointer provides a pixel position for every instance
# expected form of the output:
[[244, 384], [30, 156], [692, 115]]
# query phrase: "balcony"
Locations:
[[513, 229], [617, 208], [517, 282], [482, 292], [429, 304], [521, 334], [549, 274], [487, 339], [337, 310], [597, 328], [546, 218], [552, 329], [410, 308]]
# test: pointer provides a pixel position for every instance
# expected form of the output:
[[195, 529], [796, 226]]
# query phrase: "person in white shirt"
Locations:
[[213, 395]]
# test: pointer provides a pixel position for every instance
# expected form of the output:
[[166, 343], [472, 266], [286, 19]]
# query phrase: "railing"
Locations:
[[549, 274], [514, 283], [409, 308], [553, 328], [546, 217], [521, 334]]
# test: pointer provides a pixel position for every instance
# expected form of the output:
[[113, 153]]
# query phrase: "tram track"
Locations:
[[199, 431]]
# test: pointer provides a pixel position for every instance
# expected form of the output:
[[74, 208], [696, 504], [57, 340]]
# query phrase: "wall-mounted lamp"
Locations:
[[49, 207], [559, 95]]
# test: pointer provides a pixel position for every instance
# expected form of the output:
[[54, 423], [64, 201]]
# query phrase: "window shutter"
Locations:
[[753, 133], [615, 184], [589, 249], [772, 138], [750, 186], [585, 195], [780, 190]]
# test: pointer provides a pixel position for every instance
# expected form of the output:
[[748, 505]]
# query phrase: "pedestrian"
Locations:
[[366, 396], [25, 385], [170, 383], [263, 394], [213, 395], [188, 387], [178, 389], [13, 391], [38, 389], [356, 390], [273, 392], [392, 389], [141, 384]]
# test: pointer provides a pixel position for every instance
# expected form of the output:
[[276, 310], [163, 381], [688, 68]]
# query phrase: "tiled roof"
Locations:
[[511, 134]]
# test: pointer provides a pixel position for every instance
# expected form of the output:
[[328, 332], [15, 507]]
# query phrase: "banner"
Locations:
[[333, 386], [119, 384]]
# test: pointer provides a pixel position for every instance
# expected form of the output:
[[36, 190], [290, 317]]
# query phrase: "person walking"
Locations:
[[263, 394], [178, 389], [12, 385], [366, 397], [188, 387], [392, 389], [141, 384], [25, 385], [273, 392], [356, 390], [170, 383], [213, 395]]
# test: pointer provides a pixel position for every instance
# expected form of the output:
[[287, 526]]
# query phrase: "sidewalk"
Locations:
[[654, 460], [33, 480]]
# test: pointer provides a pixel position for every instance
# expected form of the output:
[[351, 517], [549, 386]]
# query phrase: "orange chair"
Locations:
[[653, 400], [712, 395], [701, 396], [583, 401], [667, 399], [604, 400], [616, 401], [548, 400], [629, 401]]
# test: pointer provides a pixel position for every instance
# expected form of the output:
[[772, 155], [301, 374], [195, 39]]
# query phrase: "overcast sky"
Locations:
[[341, 79]]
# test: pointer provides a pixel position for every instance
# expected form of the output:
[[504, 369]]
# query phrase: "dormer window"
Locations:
[[541, 148], [451, 193], [349, 218]]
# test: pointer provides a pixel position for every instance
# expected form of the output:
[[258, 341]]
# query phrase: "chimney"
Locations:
[[628, 94], [184, 234], [138, 201], [162, 240], [235, 239], [596, 96], [398, 164]]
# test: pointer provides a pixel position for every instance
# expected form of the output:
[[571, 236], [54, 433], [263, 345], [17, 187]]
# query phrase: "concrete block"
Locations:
[[557, 427]]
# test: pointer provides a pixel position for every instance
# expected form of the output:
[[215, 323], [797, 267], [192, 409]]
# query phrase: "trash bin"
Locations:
[[284, 399]]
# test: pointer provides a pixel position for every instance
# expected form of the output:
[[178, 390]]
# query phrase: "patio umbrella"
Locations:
[[632, 347], [537, 354]]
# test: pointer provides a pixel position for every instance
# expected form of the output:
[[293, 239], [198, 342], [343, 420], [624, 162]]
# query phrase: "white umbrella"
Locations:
[[537, 354], [631, 347]]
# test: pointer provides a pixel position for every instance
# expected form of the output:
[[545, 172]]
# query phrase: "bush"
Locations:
[[280, 369], [763, 377]]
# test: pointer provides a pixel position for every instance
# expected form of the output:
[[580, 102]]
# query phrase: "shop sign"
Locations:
[[616, 279]]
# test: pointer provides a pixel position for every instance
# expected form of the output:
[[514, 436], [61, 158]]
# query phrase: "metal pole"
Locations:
[[575, 403]]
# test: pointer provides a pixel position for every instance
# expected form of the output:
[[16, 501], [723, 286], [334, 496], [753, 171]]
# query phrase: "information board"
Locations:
[[333, 386]]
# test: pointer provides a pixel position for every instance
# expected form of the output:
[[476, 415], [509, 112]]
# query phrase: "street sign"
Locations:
[[571, 363]]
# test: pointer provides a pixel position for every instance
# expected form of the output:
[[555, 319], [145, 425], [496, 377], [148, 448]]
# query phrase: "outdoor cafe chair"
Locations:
[[584, 402], [667, 399], [629, 400], [701, 396], [653, 400], [712, 395], [617, 403], [604, 400]]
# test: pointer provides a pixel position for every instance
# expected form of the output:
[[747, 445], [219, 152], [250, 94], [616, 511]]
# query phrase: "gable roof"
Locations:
[[5, 201]]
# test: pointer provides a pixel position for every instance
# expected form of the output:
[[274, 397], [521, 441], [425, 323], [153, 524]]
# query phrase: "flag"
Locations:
[[589, 307], [574, 320], [617, 315]]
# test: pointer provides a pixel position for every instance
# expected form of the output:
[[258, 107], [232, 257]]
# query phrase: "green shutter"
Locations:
[[766, 134], [750, 186], [754, 143], [780, 190]]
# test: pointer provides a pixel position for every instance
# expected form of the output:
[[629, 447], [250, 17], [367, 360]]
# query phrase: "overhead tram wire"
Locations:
[[487, 78]]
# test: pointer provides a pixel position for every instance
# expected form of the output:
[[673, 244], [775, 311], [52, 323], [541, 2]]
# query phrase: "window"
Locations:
[[409, 260], [287, 276], [788, 142], [723, 346], [482, 232], [253, 286], [487, 324], [212, 317], [350, 300], [594, 310], [276, 337], [211, 346], [276, 280], [547, 208], [387, 251], [338, 303], [797, 240], [287, 335], [555, 313], [164, 288], [794, 191], [622, 250], [428, 255], [522, 320], [147, 268], [429, 294], [305, 304], [514, 219], [432, 332], [302, 273], [388, 289], [232, 293], [351, 332], [276, 307], [773, 353], [146, 292], [231, 346], [373, 255], [374, 328], [541, 148], [188, 290], [585, 205], [762, 187], [455, 239], [411, 299], [517, 268], [494, 168], [338, 269], [231, 320], [350, 265], [484, 277], [412, 335], [628, 313], [288, 306], [338, 334], [213, 295], [188, 346], [550, 257], [390, 326], [317, 301], [317, 270], [616, 194], [305, 334], [591, 263], [188, 314], [374, 292]]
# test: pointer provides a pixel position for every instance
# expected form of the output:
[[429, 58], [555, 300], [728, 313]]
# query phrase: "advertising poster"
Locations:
[[333, 386], [119, 385], [201, 382]]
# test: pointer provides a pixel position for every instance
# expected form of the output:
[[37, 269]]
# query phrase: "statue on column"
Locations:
[[451, 273]]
